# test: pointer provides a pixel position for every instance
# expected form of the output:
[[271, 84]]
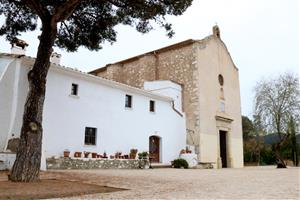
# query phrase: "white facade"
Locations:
[[99, 104], [167, 88]]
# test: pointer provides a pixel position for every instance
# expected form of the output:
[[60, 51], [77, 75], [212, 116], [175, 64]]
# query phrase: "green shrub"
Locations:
[[180, 163], [143, 155]]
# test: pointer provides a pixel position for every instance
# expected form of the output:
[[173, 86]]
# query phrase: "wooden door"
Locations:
[[154, 148], [223, 148]]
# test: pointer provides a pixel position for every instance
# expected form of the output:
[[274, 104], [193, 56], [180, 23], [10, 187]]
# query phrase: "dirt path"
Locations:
[[52, 185], [247, 183]]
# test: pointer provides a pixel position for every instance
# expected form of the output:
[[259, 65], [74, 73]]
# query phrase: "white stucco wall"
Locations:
[[166, 88], [101, 106], [7, 75]]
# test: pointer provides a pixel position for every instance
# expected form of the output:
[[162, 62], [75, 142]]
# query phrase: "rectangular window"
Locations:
[[152, 106], [90, 136], [74, 90], [128, 101]]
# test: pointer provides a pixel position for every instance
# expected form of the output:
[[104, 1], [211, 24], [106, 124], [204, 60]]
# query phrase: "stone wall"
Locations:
[[177, 64], [195, 65], [89, 163]]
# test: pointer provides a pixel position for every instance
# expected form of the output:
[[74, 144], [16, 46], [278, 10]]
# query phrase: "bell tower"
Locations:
[[216, 31]]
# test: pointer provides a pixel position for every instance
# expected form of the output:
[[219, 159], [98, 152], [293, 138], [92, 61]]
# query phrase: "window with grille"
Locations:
[[90, 136]]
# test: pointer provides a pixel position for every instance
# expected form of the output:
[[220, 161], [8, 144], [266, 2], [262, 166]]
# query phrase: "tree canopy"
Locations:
[[247, 127], [87, 23], [276, 101]]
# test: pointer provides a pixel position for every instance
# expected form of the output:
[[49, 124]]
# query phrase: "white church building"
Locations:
[[183, 96], [83, 112]]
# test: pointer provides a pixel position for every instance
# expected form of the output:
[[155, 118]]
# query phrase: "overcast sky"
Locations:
[[262, 37]]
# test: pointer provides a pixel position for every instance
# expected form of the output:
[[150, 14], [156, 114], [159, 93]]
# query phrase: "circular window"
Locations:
[[221, 79]]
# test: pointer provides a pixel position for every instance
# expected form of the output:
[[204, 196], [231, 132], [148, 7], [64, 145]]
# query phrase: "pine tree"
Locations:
[[69, 24]]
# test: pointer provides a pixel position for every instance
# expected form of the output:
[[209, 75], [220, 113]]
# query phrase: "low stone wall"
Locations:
[[96, 163]]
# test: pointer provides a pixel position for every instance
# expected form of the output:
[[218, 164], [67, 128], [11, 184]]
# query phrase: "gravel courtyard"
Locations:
[[246, 183]]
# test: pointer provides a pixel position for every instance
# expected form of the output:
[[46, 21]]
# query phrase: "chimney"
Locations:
[[18, 46], [216, 31], [55, 58]]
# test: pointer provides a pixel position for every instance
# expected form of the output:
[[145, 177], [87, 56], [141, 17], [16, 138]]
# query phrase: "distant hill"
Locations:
[[273, 138]]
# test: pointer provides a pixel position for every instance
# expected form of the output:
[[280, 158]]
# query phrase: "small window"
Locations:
[[221, 80], [90, 136], [74, 90], [128, 101], [152, 106]]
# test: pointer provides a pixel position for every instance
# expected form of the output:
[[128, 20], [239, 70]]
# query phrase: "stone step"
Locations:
[[204, 166], [160, 165]]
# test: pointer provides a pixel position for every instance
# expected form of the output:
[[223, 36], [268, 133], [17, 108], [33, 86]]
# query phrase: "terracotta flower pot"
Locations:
[[86, 154], [77, 154], [132, 154], [183, 151], [66, 154], [94, 155]]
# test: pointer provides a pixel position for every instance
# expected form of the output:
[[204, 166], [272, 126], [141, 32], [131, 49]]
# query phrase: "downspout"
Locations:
[[177, 111]]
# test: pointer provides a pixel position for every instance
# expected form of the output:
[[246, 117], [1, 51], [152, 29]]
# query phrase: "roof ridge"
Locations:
[[160, 50], [107, 82]]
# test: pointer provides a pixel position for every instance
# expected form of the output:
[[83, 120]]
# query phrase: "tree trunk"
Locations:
[[28, 159], [279, 160]]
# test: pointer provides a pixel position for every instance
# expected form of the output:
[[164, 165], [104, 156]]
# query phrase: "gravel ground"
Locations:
[[246, 183]]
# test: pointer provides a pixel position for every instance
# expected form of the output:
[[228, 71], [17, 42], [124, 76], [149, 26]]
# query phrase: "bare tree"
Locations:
[[276, 101]]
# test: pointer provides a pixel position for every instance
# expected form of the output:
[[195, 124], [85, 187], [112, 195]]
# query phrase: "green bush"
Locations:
[[180, 163], [143, 155]]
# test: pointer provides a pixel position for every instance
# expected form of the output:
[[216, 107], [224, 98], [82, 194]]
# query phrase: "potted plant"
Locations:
[[188, 150], [118, 155], [104, 155], [183, 151], [86, 154], [94, 155], [66, 153], [77, 154], [133, 153]]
